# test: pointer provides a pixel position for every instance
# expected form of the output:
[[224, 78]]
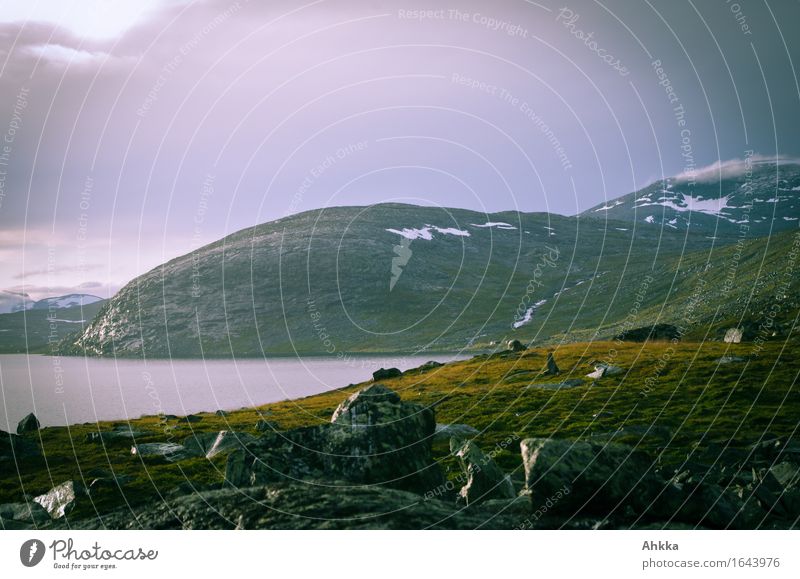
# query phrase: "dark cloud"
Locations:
[[122, 138]]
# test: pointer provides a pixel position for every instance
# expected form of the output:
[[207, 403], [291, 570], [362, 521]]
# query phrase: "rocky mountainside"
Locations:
[[40, 329], [763, 196], [390, 277]]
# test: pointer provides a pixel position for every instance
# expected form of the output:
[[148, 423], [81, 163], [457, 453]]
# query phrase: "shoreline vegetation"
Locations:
[[697, 416]]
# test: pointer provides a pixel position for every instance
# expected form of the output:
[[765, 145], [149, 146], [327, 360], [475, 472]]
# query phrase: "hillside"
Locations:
[[39, 328], [402, 278], [764, 197]]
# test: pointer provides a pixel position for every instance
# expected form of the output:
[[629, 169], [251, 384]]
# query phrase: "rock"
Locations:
[[787, 474], [62, 499], [515, 346], [266, 426], [114, 435], [552, 367], [110, 481], [291, 505], [28, 514], [484, 479], [733, 336], [14, 448], [517, 376], [191, 419], [444, 432], [28, 424], [373, 438], [168, 450], [221, 413], [563, 385], [731, 359], [587, 477], [427, 366], [210, 444], [378, 439], [603, 370], [385, 374], [656, 332]]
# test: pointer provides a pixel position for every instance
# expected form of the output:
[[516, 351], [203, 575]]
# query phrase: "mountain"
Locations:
[[402, 278], [42, 329], [67, 301], [11, 301], [763, 196]]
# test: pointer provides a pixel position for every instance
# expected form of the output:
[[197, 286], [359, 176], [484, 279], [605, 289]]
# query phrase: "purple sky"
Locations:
[[133, 135]]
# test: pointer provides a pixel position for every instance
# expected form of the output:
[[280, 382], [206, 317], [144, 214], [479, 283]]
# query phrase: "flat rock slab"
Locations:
[[325, 505], [565, 385], [26, 514], [168, 450]]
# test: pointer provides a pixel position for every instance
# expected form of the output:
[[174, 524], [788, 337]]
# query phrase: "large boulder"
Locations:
[[587, 477], [14, 448], [483, 478], [515, 346], [552, 367], [62, 499], [386, 374], [373, 438], [733, 335], [23, 515], [28, 424]]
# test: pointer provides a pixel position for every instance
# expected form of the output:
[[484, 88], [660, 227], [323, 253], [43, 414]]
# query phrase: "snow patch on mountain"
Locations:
[[426, 232], [497, 224], [528, 316], [67, 301]]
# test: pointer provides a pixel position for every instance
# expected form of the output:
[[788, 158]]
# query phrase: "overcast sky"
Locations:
[[136, 131]]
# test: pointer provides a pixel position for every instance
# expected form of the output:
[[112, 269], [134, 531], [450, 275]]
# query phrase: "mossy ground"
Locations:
[[678, 392]]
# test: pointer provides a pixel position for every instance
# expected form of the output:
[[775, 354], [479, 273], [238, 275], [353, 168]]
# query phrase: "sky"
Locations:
[[136, 131]]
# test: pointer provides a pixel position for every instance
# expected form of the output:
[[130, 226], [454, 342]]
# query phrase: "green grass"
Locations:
[[698, 400]]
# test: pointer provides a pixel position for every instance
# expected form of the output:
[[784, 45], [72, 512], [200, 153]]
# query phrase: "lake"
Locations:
[[72, 390]]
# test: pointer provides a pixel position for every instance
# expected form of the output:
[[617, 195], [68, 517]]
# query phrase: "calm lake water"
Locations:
[[64, 391]]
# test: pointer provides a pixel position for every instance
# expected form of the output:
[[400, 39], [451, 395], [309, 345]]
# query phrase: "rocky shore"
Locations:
[[372, 466]]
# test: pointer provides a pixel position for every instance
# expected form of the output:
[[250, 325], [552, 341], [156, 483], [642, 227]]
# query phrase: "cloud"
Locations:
[[56, 269], [60, 54], [731, 168]]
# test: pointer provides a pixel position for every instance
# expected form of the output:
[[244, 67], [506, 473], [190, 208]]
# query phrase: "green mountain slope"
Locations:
[[401, 278], [40, 329]]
